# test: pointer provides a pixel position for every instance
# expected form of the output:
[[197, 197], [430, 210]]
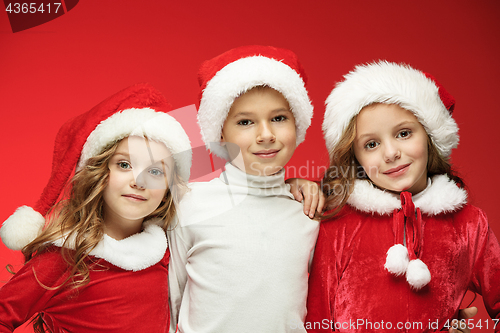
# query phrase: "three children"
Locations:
[[401, 246]]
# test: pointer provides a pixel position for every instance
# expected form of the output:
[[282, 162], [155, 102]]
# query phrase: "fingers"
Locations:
[[297, 194], [467, 313], [310, 193], [311, 203], [321, 204], [295, 189]]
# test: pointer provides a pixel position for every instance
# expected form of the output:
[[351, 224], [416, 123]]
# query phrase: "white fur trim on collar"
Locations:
[[390, 83], [442, 196], [237, 78], [133, 253], [157, 126]]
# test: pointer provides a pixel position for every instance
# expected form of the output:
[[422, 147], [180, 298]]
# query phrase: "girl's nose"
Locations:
[[266, 134], [391, 152], [138, 182]]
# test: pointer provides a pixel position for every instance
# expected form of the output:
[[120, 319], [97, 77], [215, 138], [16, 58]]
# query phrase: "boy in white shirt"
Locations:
[[241, 247]]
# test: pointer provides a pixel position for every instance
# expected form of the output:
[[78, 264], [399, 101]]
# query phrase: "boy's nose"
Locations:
[[265, 134]]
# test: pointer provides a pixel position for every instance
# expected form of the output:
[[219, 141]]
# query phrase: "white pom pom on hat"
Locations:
[[137, 110], [229, 75], [21, 228]]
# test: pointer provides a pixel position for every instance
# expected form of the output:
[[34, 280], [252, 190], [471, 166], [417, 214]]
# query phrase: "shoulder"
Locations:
[[470, 214], [346, 216], [51, 254], [199, 190], [204, 200], [47, 266]]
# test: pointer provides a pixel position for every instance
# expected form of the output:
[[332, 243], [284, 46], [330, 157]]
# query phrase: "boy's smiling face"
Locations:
[[261, 126]]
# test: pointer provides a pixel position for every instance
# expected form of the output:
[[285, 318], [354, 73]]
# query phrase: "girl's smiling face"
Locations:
[[260, 132], [137, 184], [391, 146]]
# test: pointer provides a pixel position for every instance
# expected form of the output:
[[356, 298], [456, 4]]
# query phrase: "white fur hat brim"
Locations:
[[145, 122], [390, 83], [237, 78]]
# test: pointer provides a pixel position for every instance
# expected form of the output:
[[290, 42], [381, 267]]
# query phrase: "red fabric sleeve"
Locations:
[[23, 296], [323, 281], [486, 274]]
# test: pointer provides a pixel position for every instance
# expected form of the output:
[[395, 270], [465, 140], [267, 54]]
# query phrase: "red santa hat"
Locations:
[[138, 110], [231, 74], [391, 83]]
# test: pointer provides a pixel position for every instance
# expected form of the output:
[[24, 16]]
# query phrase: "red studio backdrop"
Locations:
[[53, 71]]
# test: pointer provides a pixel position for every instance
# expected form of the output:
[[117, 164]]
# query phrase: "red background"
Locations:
[[64, 67]]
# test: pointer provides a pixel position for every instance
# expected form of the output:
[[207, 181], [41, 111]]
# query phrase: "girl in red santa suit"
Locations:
[[401, 246], [100, 263]]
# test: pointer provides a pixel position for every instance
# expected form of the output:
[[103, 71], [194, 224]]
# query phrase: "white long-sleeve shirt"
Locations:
[[239, 256]]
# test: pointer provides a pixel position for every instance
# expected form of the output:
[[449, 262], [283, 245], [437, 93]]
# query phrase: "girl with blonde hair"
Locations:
[[101, 262], [401, 246]]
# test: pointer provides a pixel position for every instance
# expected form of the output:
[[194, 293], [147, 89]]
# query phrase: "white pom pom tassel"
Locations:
[[397, 260], [418, 274], [21, 228]]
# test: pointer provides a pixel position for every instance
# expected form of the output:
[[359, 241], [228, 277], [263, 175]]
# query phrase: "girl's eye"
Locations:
[[371, 145], [404, 134], [124, 165], [279, 118], [244, 122], [156, 172]]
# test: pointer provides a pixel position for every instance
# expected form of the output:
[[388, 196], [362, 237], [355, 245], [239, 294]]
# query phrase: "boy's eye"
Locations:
[[404, 134], [279, 118], [244, 122], [124, 165], [371, 145]]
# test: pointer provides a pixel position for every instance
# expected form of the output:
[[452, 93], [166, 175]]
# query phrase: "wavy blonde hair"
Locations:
[[344, 169]]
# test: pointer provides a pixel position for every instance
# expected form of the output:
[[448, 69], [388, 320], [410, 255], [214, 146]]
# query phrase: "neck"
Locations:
[[119, 228]]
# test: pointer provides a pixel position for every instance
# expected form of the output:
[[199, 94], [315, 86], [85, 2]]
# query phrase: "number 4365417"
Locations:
[[471, 323], [32, 8]]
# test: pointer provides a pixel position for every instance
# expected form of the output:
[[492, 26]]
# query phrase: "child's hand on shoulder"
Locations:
[[310, 192]]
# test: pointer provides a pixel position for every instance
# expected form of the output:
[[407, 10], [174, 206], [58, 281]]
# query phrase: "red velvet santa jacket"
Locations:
[[351, 291], [128, 289]]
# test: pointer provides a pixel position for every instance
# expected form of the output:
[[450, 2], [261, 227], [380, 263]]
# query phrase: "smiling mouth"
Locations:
[[134, 197], [397, 171], [267, 153]]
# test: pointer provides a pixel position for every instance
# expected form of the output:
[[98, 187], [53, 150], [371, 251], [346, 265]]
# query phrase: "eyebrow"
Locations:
[[404, 122], [121, 153], [247, 113]]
